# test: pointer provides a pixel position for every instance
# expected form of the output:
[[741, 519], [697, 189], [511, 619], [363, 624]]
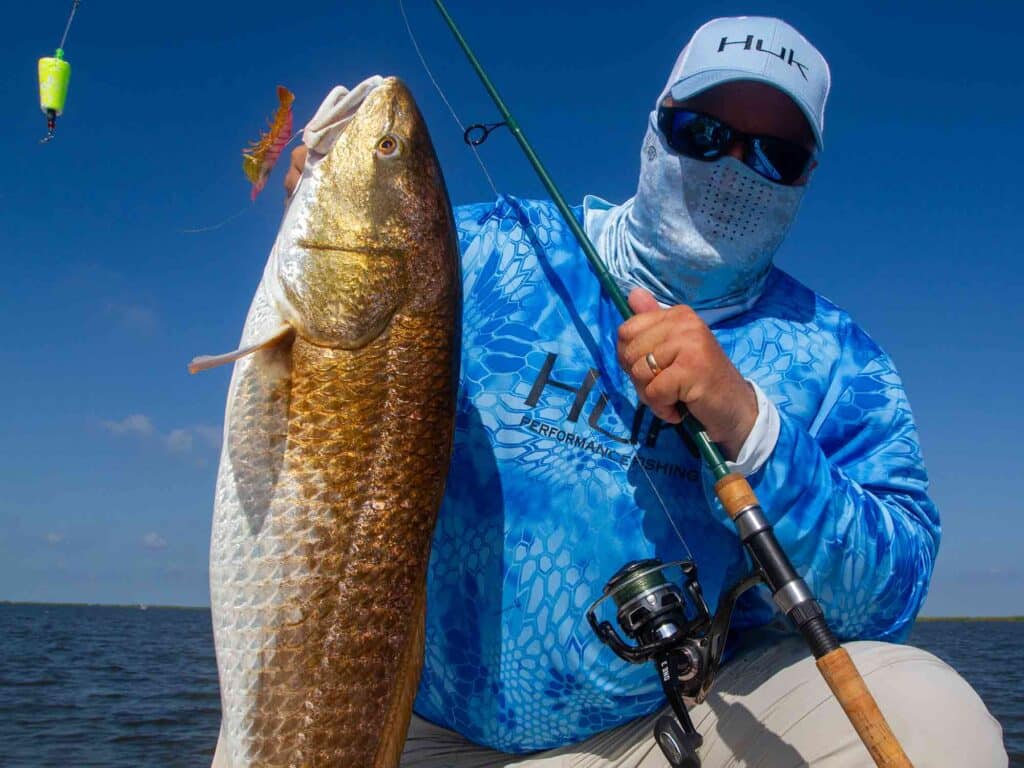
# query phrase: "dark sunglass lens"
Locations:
[[777, 159], [693, 134]]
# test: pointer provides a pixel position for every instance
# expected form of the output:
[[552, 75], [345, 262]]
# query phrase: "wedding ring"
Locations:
[[652, 363]]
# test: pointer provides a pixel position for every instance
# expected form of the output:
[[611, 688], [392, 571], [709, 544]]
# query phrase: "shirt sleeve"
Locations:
[[760, 443], [850, 506]]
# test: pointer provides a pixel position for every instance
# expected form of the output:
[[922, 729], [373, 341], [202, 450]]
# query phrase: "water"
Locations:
[[123, 687], [105, 686], [990, 656]]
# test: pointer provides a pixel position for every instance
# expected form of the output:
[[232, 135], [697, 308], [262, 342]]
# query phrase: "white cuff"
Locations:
[[762, 438]]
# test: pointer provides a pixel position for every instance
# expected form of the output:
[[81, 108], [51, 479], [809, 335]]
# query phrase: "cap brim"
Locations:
[[699, 82]]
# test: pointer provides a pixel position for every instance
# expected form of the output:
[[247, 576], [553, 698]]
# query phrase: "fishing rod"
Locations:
[[638, 587]]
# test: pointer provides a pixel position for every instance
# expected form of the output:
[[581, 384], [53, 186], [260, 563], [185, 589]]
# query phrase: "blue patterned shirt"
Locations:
[[557, 480]]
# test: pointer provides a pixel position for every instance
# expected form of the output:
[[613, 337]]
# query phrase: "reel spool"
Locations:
[[650, 609]]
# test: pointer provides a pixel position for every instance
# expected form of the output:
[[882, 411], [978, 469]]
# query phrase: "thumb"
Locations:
[[641, 300]]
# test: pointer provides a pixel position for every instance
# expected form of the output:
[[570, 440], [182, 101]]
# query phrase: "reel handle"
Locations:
[[678, 746]]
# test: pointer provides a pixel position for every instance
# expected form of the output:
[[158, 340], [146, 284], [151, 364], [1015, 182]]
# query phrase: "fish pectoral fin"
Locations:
[[205, 362]]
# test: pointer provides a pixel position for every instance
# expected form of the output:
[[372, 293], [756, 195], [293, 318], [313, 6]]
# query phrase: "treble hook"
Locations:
[[477, 133], [51, 126]]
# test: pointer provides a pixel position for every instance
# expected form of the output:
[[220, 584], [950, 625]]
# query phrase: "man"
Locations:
[[559, 476]]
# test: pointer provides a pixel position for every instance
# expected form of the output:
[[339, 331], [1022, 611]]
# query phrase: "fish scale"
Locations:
[[337, 441], [345, 518]]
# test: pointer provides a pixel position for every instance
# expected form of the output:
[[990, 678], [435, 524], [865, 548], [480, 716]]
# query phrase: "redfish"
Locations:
[[338, 432]]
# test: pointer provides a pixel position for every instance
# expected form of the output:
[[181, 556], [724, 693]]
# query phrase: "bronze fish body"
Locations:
[[338, 432]]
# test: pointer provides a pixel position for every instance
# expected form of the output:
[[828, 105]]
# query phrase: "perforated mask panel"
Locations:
[[731, 205]]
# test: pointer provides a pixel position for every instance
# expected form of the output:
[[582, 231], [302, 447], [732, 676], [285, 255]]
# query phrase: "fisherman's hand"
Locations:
[[693, 369], [291, 179]]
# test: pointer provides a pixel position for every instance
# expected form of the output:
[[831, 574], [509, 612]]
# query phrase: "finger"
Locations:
[[680, 315], [298, 161], [671, 386], [677, 330], [637, 324], [647, 341], [658, 397], [641, 300], [647, 311], [641, 374], [291, 181], [667, 413]]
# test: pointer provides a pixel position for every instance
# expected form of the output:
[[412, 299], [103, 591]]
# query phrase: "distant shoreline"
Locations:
[[136, 606], [147, 606], [926, 619]]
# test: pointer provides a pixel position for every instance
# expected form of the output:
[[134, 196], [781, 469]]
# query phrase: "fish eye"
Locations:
[[388, 146]]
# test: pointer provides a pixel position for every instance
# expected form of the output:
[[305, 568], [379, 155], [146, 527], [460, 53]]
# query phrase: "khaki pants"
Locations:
[[770, 707]]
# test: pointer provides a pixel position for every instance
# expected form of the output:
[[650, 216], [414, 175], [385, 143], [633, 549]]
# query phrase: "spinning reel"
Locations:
[[684, 643]]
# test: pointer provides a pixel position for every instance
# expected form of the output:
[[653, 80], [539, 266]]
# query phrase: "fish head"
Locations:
[[371, 233]]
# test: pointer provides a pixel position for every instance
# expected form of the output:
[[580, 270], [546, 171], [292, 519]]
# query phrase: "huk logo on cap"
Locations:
[[753, 48], [748, 44]]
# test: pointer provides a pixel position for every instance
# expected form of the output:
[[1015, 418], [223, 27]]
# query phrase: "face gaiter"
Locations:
[[698, 233]]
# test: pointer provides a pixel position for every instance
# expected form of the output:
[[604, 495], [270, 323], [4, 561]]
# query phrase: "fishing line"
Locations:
[[232, 217], [423, 61], [212, 227], [635, 457], [67, 28]]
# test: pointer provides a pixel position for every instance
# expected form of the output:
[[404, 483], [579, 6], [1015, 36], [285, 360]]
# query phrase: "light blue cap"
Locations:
[[754, 48]]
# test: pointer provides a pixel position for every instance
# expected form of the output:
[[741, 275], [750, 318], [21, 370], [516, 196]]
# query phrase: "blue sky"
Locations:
[[109, 449]]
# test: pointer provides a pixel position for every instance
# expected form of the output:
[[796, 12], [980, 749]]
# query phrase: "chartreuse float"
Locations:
[[54, 77]]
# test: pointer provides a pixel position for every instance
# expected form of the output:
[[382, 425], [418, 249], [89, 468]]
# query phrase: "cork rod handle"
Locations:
[[856, 700], [834, 663]]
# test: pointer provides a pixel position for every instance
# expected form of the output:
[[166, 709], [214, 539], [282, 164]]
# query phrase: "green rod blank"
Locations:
[[708, 450]]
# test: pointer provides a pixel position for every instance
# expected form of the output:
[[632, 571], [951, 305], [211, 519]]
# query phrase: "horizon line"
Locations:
[[147, 606]]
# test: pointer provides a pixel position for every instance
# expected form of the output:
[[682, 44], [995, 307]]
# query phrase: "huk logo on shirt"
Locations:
[[785, 54], [545, 380]]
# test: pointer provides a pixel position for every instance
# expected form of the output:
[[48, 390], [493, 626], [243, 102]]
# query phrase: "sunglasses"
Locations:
[[703, 137]]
